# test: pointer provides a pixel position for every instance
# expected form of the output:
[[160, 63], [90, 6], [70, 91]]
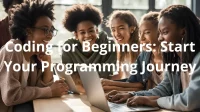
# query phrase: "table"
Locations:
[[68, 103]]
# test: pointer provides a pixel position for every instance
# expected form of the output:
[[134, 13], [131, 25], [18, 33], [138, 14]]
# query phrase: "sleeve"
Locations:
[[12, 92], [162, 89], [40, 82], [137, 77], [66, 57], [189, 99], [109, 58]]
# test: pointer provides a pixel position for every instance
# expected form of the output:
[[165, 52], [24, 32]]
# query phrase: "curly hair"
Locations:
[[8, 3], [183, 17], [151, 16], [81, 12], [129, 18], [25, 16]]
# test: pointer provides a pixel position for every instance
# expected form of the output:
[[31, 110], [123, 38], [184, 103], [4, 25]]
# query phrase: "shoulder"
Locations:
[[71, 41], [145, 56], [8, 50]]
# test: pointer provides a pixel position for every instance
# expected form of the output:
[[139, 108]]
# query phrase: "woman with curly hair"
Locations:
[[31, 22], [179, 90], [83, 20]]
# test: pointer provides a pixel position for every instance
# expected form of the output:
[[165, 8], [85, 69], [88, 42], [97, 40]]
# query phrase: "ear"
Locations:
[[183, 32], [29, 34], [76, 35], [97, 31]]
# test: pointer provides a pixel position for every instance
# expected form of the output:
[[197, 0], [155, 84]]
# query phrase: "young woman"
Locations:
[[31, 21], [148, 35], [83, 20], [178, 90]]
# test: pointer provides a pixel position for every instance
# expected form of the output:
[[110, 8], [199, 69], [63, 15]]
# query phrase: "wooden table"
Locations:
[[68, 103]]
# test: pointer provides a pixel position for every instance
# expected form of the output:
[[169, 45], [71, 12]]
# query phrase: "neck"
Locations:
[[156, 54]]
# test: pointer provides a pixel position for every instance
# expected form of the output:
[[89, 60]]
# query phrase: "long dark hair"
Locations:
[[130, 19], [183, 17]]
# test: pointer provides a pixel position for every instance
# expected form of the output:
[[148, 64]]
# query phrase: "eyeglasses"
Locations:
[[46, 31]]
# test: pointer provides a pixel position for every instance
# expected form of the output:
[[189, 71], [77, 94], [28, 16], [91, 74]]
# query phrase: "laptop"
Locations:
[[68, 80], [95, 94]]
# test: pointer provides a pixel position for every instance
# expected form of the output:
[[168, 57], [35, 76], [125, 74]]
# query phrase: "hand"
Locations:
[[143, 100], [137, 100], [44, 57], [106, 82], [59, 88], [117, 97]]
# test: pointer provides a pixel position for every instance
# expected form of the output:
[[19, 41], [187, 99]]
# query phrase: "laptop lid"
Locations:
[[96, 96], [68, 79], [92, 85]]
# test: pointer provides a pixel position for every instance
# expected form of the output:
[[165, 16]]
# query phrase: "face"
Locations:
[[169, 31], [42, 32], [121, 31], [86, 31], [148, 33]]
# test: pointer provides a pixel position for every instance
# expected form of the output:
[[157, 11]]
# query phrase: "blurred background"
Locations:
[[138, 7]]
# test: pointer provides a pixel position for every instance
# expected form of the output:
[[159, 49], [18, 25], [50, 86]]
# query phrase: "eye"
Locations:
[[165, 32], [91, 31], [82, 33], [147, 32], [113, 30]]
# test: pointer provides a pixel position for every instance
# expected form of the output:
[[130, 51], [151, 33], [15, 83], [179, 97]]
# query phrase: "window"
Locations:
[[138, 7], [160, 4], [2, 12]]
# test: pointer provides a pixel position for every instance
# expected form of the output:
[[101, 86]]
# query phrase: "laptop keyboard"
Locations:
[[118, 107]]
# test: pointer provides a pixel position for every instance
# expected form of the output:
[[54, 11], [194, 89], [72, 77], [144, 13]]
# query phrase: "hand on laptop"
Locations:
[[143, 100], [59, 88], [117, 97]]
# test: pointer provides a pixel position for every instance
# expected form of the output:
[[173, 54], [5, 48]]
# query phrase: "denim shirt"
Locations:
[[143, 78]]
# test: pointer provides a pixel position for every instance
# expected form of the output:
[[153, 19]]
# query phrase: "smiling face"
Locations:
[[121, 31], [169, 31], [148, 33], [86, 31], [40, 32]]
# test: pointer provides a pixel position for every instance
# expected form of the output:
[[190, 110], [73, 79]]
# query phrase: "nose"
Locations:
[[50, 36], [142, 38], [160, 38], [117, 33], [88, 34]]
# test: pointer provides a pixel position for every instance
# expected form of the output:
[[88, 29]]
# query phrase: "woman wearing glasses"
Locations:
[[19, 88], [83, 20]]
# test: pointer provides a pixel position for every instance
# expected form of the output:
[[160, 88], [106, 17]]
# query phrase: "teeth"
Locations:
[[88, 40], [45, 41], [120, 39]]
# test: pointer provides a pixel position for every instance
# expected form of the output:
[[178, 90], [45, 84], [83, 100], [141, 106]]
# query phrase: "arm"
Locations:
[[162, 89], [189, 99], [47, 76], [110, 88], [12, 92]]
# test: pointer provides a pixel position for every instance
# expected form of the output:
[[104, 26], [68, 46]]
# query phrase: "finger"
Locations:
[[60, 81], [115, 97], [120, 100], [134, 104], [130, 102], [64, 93]]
